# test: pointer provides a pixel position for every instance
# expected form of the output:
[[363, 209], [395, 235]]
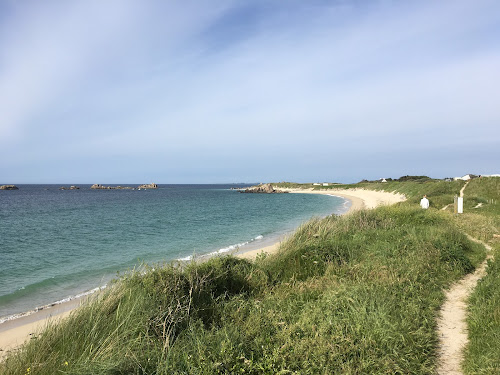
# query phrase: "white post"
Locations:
[[460, 205]]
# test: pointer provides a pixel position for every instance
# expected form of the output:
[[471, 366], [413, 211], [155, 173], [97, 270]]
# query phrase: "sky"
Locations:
[[127, 91]]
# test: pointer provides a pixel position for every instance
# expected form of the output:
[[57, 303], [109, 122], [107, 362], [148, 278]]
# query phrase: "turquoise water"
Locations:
[[56, 244]]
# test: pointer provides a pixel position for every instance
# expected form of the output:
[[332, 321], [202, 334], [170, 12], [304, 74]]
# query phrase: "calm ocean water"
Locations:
[[56, 244]]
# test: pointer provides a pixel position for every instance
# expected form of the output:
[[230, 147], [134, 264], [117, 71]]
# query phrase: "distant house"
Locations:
[[325, 183], [383, 180], [316, 184], [490, 175], [467, 177]]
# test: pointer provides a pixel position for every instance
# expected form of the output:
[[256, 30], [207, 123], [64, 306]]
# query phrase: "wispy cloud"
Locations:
[[203, 82]]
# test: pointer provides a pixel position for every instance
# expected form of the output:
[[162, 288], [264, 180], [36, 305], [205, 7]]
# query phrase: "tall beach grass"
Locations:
[[357, 294]]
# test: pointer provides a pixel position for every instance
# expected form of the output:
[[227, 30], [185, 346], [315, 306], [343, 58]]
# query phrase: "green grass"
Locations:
[[485, 191], [357, 294]]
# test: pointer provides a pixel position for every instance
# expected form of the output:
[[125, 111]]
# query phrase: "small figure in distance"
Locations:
[[424, 202]]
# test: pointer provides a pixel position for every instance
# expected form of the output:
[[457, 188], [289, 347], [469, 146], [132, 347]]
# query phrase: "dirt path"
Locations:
[[461, 194], [462, 190], [452, 325]]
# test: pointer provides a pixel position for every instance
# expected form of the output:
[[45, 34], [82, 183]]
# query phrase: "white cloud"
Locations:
[[47, 50], [148, 81], [50, 50]]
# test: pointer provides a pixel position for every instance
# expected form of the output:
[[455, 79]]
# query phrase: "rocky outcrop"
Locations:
[[148, 186], [9, 187], [72, 187], [102, 187], [144, 186], [262, 189]]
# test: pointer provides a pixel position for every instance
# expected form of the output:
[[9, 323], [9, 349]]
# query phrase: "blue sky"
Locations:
[[230, 91]]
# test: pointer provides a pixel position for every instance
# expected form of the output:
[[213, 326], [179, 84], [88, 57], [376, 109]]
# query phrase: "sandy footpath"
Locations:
[[16, 332], [452, 323]]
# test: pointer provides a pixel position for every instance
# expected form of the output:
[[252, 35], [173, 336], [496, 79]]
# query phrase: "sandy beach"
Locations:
[[360, 198], [15, 332]]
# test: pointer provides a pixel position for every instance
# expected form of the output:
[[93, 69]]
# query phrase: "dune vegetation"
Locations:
[[356, 294]]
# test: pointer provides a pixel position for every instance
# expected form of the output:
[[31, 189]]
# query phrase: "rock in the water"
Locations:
[[98, 186], [148, 186], [144, 186], [72, 187], [102, 187], [9, 187]]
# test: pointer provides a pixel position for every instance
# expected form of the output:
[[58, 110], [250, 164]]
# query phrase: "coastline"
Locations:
[[359, 198], [14, 333]]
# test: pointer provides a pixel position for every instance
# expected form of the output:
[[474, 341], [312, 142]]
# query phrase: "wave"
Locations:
[[345, 206], [59, 302], [60, 288], [29, 288], [224, 249]]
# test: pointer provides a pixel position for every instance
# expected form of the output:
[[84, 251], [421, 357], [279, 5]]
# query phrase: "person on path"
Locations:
[[424, 202]]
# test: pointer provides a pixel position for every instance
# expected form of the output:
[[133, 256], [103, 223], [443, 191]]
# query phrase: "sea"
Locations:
[[56, 245]]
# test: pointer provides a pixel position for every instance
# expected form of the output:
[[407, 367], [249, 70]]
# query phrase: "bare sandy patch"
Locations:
[[452, 325]]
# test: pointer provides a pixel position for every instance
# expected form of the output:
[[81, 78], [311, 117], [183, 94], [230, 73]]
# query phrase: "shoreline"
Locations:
[[359, 198], [15, 332]]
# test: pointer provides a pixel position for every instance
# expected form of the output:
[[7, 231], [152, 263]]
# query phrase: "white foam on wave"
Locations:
[[48, 306], [225, 249], [345, 206]]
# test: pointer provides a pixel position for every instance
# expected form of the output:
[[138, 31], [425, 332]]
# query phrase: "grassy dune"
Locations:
[[439, 192], [357, 294]]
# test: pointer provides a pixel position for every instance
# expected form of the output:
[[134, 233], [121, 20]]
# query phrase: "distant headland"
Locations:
[[262, 189]]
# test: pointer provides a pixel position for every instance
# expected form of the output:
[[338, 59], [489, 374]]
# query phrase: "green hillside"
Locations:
[[357, 294]]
